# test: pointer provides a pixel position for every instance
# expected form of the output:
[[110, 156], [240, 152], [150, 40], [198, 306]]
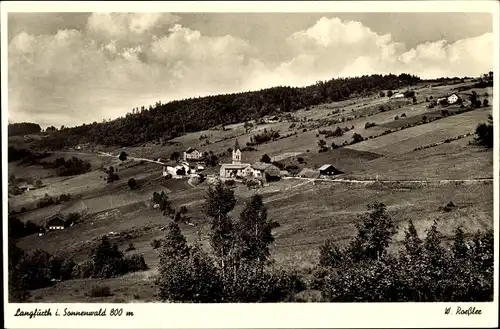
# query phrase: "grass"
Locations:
[[407, 140]]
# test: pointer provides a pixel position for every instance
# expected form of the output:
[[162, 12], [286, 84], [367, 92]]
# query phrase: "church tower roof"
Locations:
[[236, 145]]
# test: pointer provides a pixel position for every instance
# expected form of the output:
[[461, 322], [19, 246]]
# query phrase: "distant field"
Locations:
[[455, 160], [444, 128]]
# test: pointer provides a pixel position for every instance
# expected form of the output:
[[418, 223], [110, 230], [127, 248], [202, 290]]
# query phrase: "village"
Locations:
[[316, 169]]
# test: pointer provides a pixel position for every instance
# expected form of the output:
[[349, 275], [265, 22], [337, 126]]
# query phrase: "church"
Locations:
[[236, 168]]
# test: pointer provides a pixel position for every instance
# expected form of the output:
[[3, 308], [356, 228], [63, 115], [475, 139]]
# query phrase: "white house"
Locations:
[[398, 95], [192, 154], [453, 98]]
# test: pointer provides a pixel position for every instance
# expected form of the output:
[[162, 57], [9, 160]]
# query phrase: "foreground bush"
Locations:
[[99, 291], [423, 272]]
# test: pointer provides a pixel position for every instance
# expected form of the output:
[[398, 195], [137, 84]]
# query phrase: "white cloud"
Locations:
[[121, 61]]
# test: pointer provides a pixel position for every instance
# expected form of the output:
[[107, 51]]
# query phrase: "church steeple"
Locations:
[[236, 153]]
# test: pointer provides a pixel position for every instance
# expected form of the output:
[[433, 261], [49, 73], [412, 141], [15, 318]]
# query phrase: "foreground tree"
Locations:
[[375, 232], [484, 133], [254, 231], [173, 279], [219, 202]]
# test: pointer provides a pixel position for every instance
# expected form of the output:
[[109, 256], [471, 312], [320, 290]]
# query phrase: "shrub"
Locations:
[[132, 184], [230, 182], [403, 115], [155, 243], [396, 118], [130, 247], [484, 134], [300, 160], [356, 138], [485, 102], [99, 291], [252, 183], [67, 267], [135, 263], [263, 137], [123, 156], [370, 124], [36, 269], [83, 270]]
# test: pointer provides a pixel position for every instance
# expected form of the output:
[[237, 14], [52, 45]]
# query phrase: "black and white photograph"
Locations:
[[218, 157]]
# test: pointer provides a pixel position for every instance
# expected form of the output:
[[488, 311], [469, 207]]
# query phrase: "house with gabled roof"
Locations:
[[192, 154]]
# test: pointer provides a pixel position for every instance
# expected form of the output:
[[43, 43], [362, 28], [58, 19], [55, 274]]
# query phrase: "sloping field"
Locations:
[[454, 160], [312, 215], [408, 139]]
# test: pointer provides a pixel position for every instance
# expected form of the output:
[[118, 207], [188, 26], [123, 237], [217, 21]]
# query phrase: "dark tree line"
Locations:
[[26, 156], [23, 128], [166, 121], [72, 166]]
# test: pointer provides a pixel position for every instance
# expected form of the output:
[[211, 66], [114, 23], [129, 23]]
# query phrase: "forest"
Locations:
[[166, 121]]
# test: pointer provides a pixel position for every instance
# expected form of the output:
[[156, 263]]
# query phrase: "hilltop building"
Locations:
[[192, 154], [453, 98]]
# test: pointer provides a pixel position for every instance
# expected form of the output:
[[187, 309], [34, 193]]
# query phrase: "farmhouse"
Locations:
[[55, 222], [169, 168], [266, 171], [328, 170], [192, 154], [453, 98], [26, 187]]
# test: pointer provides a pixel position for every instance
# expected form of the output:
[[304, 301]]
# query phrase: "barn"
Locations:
[[55, 222], [266, 170], [328, 170]]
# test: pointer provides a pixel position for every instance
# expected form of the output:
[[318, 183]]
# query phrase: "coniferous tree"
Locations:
[[412, 243], [107, 259], [255, 231], [174, 279], [375, 232], [459, 246]]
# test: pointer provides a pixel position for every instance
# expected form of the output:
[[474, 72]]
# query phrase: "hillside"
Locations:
[[309, 212], [166, 121]]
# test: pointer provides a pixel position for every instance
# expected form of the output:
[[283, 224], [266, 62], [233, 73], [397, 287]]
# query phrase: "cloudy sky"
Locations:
[[71, 68]]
